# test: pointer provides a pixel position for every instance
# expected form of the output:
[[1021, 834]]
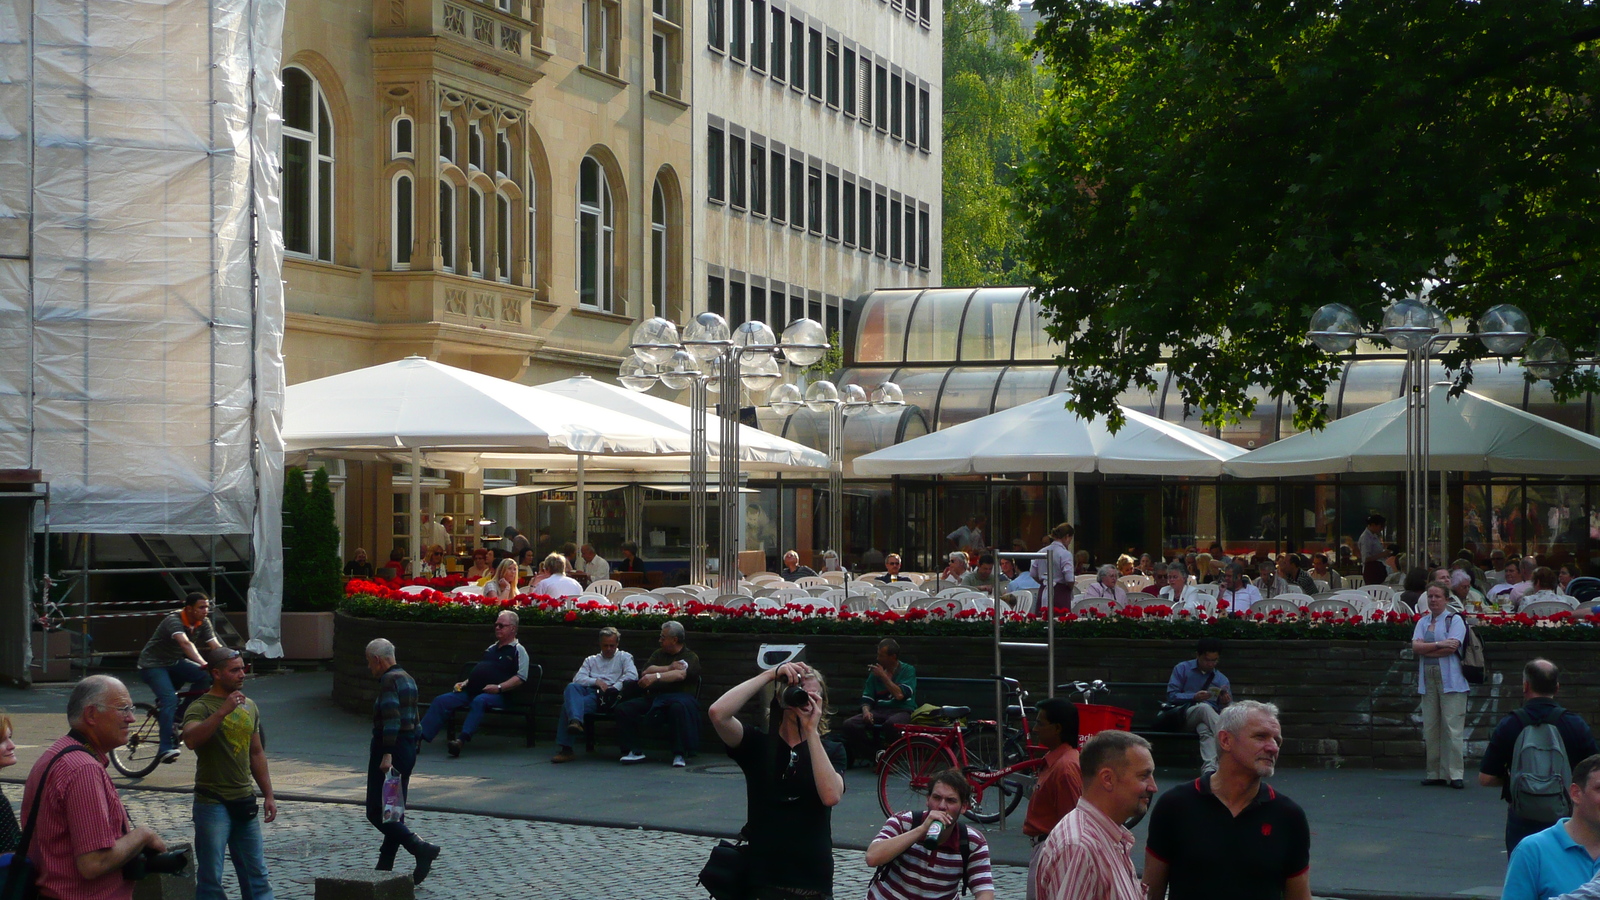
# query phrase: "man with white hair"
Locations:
[[556, 582], [956, 570], [792, 570], [1229, 833], [81, 836], [504, 668], [598, 684], [395, 739], [669, 680], [1461, 589]]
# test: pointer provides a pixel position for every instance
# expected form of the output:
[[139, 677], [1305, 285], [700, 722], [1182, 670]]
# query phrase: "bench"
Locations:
[[1144, 700], [521, 702], [607, 716]]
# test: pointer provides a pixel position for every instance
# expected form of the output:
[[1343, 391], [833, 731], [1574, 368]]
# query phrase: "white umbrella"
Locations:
[[1469, 433], [1044, 436], [416, 404]]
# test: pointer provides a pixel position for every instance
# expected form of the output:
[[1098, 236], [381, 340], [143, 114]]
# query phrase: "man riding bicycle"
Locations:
[[172, 659]]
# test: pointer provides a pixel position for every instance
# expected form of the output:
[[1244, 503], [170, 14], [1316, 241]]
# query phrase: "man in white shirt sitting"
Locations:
[[556, 582], [1178, 589], [1509, 591], [955, 571], [1237, 591], [593, 565], [599, 681]]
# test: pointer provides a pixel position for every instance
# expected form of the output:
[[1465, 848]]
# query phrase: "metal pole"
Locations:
[[697, 481], [580, 525], [1411, 452], [1425, 442], [1444, 517], [88, 551], [1050, 625], [836, 482], [728, 473], [416, 512]]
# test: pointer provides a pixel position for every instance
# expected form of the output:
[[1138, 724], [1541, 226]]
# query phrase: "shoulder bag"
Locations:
[[1173, 716], [21, 876]]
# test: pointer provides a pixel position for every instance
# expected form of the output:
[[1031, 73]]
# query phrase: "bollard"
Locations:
[[168, 887], [362, 885]]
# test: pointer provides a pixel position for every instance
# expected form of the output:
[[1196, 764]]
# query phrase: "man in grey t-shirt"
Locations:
[[171, 659]]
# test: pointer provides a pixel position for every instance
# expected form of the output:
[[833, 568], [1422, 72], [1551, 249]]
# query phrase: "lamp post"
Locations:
[[1415, 327], [826, 397], [711, 359]]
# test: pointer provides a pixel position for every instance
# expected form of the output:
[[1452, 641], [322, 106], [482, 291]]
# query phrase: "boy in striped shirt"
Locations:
[[909, 869]]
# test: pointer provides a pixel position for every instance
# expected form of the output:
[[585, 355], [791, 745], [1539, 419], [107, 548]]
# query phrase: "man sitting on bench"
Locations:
[[1196, 694], [887, 701], [599, 683], [670, 677], [504, 667]]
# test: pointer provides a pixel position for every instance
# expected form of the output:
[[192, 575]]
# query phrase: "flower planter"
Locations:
[[306, 635]]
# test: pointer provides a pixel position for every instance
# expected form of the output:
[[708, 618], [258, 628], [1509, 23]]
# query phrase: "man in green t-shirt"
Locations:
[[223, 728], [887, 701]]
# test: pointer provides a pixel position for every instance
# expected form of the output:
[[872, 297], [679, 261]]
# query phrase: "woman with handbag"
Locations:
[[792, 783], [1435, 641], [9, 833]]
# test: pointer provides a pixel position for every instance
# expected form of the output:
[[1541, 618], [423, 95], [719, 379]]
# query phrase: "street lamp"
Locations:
[[1415, 327], [709, 358]]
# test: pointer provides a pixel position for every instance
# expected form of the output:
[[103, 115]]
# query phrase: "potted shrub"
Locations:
[[313, 582]]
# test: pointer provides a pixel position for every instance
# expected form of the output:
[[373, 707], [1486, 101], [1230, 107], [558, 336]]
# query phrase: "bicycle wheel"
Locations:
[[141, 754], [980, 746], [907, 769], [981, 750]]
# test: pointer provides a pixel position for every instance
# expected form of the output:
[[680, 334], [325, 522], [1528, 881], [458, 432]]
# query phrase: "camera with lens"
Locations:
[[150, 862], [792, 696]]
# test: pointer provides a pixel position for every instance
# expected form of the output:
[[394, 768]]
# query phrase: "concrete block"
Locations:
[[168, 887], [363, 885]]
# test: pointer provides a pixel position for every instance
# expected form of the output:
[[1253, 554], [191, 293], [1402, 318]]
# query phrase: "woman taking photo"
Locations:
[[1438, 636], [791, 784]]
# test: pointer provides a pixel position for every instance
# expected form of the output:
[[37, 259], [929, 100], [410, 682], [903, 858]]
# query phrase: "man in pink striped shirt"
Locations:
[[1086, 855], [914, 866]]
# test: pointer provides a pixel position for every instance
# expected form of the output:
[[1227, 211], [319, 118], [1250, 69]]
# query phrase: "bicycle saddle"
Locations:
[[955, 712]]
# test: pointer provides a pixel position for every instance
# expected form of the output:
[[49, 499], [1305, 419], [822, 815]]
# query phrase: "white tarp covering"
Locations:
[[139, 361]]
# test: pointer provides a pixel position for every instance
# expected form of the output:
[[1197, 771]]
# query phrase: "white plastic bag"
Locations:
[[394, 798]]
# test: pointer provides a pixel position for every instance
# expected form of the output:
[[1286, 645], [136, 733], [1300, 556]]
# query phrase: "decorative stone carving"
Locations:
[[455, 301]]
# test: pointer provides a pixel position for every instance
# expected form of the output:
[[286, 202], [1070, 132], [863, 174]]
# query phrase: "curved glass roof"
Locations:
[[949, 325]]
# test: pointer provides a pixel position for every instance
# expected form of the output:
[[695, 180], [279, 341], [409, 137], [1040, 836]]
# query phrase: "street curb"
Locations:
[[1326, 894]]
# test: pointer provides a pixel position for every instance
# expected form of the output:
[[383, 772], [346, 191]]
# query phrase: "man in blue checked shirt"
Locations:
[[395, 738], [1198, 692]]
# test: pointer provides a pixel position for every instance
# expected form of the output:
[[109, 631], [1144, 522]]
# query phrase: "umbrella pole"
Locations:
[[1072, 502], [580, 514], [416, 512]]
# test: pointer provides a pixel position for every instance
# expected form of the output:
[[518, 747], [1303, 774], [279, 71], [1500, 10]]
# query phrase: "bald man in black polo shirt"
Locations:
[[1229, 834]]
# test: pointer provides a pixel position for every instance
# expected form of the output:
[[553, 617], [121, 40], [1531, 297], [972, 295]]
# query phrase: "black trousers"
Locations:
[[403, 756]]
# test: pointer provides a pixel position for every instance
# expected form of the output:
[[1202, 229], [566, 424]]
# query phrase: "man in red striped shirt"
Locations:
[[910, 869], [1086, 855], [82, 837]]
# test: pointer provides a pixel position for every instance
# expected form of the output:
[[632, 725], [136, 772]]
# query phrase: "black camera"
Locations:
[[150, 862], [792, 696]]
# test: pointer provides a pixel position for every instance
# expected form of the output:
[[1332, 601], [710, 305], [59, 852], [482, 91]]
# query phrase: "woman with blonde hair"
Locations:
[[1203, 573], [503, 586], [10, 836]]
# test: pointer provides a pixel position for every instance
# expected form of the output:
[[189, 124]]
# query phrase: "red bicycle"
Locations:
[[1002, 765]]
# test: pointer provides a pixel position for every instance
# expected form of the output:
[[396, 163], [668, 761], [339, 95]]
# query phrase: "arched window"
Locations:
[[447, 138], [447, 225], [531, 195], [658, 250], [475, 146], [307, 167], [403, 230], [502, 237], [475, 231], [596, 241], [502, 154], [403, 136]]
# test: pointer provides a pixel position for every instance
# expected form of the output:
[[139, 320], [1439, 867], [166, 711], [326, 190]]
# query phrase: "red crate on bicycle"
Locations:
[[1094, 718]]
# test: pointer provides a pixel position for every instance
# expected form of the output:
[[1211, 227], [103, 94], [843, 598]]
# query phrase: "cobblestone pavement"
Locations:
[[518, 858]]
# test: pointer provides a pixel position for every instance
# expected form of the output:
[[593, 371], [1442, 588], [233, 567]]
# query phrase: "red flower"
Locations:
[[571, 616]]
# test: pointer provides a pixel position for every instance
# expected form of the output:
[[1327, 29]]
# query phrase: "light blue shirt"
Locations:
[[1186, 680], [1449, 625], [1547, 864]]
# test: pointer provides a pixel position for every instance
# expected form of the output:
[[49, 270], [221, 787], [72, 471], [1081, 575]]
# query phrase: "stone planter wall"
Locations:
[[305, 635], [1344, 703]]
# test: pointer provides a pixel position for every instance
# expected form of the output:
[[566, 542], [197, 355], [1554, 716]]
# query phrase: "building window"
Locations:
[[602, 29], [447, 226], [502, 238], [531, 195], [758, 33], [502, 154], [923, 116], [911, 113], [894, 230], [880, 219], [925, 14], [814, 64], [658, 250], [833, 73], [864, 90], [447, 139], [778, 197], [475, 147], [596, 237], [849, 214], [758, 180], [864, 232], [849, 82], [922, 239], [797, 194], [714, 295], [735, 303], [778, 18], [832, 193], [736, 33], [894, 106], [307, 167], [475, 231], [797, 54], [882, 104], [758, 305], [714, 180], [403, 137], [736, 196], [402, 232], [814, 199], [665, 65], [715, 19], [910, 250]]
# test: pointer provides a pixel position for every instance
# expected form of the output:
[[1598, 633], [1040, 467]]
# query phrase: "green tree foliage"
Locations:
[[992, 100], [1209, 173], [312, 575]]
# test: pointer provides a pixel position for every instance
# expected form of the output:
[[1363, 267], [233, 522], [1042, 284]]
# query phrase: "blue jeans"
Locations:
[[214, 831], [445, 705], [578, 701], [165, 682], [678, 712]]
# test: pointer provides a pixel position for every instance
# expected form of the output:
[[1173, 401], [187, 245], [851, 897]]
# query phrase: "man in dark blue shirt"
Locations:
[[1541, 679], [504, 667]]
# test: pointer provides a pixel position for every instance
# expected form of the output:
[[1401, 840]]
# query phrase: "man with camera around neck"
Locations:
[[81, 836], [223, 728]]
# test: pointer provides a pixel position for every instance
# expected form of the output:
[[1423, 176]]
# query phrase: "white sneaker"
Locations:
[[633, 757], [678, 763], [171, 756]]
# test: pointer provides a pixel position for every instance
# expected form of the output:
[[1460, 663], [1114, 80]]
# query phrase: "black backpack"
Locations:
[[965, 843]]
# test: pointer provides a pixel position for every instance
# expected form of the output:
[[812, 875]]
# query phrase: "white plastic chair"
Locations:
[[1322, 586], [917, 578], [862, 603], [810, 581], [597, 598], [1135, 583], [835, 578], [1083, 581], [1212, 590], [605, 586], [415, 589], [950, 605], [468, 590], [1352, 582], [1332, 604], [953, 590], [1022, 600], [765, 603], [1546, 608], [1275, 604], [732, 600], [833, 595], [869, 588], [1100, 605], [789, 595], [1295, 597], [764, 577], [1381, 593], [818, 590]]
